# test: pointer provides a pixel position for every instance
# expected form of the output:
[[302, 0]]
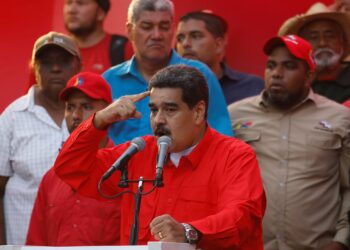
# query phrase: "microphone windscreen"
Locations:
[[165, 140], [139, 143]]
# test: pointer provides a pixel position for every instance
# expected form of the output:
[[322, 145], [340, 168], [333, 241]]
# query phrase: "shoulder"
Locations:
[[325, 103], [177, 59], [232, 145], [116, 71], [246, 103], [19, 104], [242, 75]]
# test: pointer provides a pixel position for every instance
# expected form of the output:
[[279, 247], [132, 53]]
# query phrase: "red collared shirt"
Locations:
[[217, 188]]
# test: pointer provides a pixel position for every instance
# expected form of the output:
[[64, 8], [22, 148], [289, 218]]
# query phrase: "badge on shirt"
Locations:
[[324, 125], [242, 125]]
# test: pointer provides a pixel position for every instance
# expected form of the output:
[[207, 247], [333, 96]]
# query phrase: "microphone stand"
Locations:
[[124, 182], [135, 226]]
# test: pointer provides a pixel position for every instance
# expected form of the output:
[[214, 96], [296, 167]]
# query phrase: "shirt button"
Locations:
[[281, 184], [284, 137], [170, 200], [75, 225], [78, 201]]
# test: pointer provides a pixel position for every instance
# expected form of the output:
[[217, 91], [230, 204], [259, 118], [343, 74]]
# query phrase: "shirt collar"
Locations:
[[197, 153], [129, 67], [228, 72], [260, 100], [28, 103]]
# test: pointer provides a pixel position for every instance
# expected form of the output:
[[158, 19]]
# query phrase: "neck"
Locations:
[[53, 106], [148, 68], [103, 142], [217, 69], [48, 101], [91, 39], [329, 74]]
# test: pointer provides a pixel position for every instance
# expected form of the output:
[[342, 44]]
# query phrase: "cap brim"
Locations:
[[271, 44], [66, 91], [47, 45]]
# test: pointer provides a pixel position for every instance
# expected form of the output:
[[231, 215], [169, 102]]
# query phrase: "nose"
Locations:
[[157, 33], [186, 42], [159, 118], [70, 7], [56, 66], [277, 72], [322, 42], [77, 114]]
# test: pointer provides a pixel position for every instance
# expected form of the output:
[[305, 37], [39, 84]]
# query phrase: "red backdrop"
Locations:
[[251, 24]]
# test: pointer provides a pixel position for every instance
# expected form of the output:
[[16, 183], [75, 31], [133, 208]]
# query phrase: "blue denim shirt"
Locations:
[[124, 79]]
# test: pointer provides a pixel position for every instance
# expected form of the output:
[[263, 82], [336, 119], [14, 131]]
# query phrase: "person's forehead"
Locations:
[[321, 25], [158, 95], [76, 94], [192, 25], [281, 52], [52, 50], [154, 16]]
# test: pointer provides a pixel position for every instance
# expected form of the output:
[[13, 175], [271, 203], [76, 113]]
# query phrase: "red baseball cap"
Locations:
[[296, 45], [91, 84]]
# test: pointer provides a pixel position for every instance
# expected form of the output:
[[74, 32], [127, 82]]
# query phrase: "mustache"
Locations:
[[161, 130], [322, 50]]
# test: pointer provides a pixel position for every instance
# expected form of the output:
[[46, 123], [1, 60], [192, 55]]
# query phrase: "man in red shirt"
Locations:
[[61, 216], [99, 50], [212, 194]]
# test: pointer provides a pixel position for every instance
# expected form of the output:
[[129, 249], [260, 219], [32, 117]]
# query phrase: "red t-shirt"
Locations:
[[217, 188], [96, 58]]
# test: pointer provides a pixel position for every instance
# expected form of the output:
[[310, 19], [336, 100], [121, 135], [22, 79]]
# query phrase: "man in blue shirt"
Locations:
[[150, 29], [201, 35]]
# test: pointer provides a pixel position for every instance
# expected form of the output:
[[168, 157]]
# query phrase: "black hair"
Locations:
[[189, 79], [215, 24]]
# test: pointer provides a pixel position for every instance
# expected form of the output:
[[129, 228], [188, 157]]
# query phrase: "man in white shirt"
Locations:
[[32, 130]]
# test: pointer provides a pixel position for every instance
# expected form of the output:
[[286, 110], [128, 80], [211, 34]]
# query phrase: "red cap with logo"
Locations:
[[296, 45], [91, 84]]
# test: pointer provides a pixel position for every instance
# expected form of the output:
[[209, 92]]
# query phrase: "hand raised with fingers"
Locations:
[[120, 110]]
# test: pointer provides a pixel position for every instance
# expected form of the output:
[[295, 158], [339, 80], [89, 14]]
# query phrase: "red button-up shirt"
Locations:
[[217, 188]]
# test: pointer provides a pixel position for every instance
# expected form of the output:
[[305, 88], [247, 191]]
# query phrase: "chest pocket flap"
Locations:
[[248, 135]]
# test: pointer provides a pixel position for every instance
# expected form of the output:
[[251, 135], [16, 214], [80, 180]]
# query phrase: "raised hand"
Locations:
[[120, 110]]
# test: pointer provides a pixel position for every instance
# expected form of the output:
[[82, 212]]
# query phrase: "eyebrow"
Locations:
[[166, 104]]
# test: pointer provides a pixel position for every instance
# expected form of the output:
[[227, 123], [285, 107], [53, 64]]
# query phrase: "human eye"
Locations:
[[153, 110], [197, 35], [69, 107], [165, 26], [270, 65], [146, 26], [180, 38], [87, 106], [291, 65], [170, 109]]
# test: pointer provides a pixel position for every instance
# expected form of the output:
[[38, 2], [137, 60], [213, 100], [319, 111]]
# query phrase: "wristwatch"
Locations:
[[192, 235]]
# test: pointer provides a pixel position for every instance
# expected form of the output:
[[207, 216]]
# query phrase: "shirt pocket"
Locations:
[[197, 202], [325, 151], [248, 135]]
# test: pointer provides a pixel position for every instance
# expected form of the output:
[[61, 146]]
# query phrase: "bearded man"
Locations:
[[328, 33]]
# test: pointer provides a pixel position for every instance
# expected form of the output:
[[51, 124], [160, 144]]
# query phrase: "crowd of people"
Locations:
[[251, 163]]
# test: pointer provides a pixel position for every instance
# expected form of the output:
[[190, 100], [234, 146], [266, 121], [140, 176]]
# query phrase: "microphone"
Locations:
[[164, 144], [137, 144]]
